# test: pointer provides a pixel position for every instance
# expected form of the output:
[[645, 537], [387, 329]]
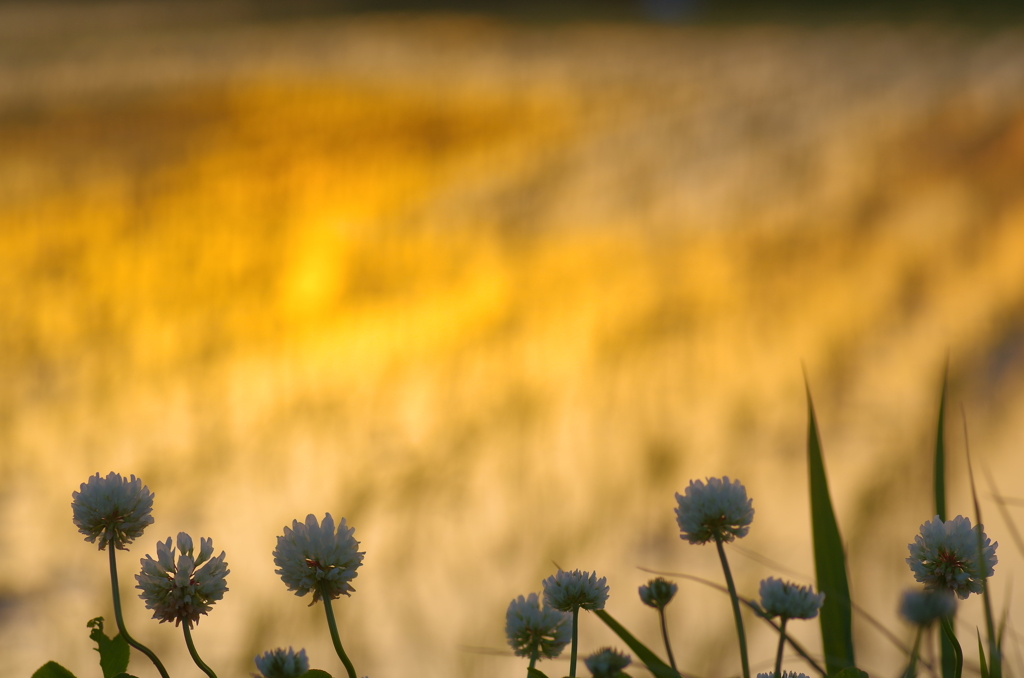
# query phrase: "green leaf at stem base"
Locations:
[[851, 672], [52, 670], [114, 652]]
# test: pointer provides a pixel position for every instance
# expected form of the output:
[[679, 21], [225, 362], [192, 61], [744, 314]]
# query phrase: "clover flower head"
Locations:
[[785, 674], [179, 590], [789, 601], [718, 510], [658, 592], [281, 663], [538, 631], [311, 556], [944, 556], [568, 590], [924, 607], [112, 510], [607, 663]]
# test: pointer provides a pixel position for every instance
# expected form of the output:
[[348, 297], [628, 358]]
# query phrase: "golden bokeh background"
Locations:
[[494, 291]]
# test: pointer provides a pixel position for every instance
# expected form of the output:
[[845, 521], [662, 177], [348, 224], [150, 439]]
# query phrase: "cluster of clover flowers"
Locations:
[[950, 558], [312, 557]]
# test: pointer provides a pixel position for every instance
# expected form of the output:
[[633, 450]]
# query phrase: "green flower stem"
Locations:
[[192, 651], [333, 625], [782, 646], [664, 634], [958, 654], [533, 660], [911, 671], [575, 637], [736, 607], [120, 619]]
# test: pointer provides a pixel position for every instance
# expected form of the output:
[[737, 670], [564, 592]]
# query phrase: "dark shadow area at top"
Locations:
[[978, 13]]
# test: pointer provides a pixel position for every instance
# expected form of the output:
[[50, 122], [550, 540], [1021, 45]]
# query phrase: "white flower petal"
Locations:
[[718, 510], [112, 510], [311, 557]]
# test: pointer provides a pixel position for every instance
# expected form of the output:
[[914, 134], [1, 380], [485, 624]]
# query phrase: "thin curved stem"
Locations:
[[333, 625], [735, 607], [782, 646], [664, 635], [119, 618], [958, 653], [575, 637], [192, 651]]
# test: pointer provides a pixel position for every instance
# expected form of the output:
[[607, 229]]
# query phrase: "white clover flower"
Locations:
[[718, 510], [789, 601], [785, 674], [924, 607], [658, 592], [568, 590], [181, 591], [607, 663], [112, 509], [281, 663], [944, 557], [535, 631], [311, 557]]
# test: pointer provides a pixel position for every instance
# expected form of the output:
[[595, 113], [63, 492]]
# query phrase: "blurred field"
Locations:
[[493, 293]]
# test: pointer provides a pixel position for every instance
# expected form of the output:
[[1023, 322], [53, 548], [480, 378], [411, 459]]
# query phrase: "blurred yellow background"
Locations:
[[494, 292]]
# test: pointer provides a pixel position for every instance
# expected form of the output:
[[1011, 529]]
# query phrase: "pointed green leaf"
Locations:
[[981, 655], [940, 453], [659, 668], [315, 673], [124, 675], [948, 656], [851, 672], [52, 670], [534, 673], [829, 558], [114, 652]]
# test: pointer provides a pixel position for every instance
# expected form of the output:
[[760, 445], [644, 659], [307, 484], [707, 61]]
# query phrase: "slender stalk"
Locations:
[[192, 651], [664, 634], [533, 660], [333, 625], [911, 671], [958, 654], [119, 618], [736, 608], [782, 646], [575, 637]]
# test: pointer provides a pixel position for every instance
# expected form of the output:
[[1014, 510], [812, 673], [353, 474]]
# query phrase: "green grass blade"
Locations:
[[940, 453], [829, 558], [995, 661], [981, 655], [947, 654], [659, 668]]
